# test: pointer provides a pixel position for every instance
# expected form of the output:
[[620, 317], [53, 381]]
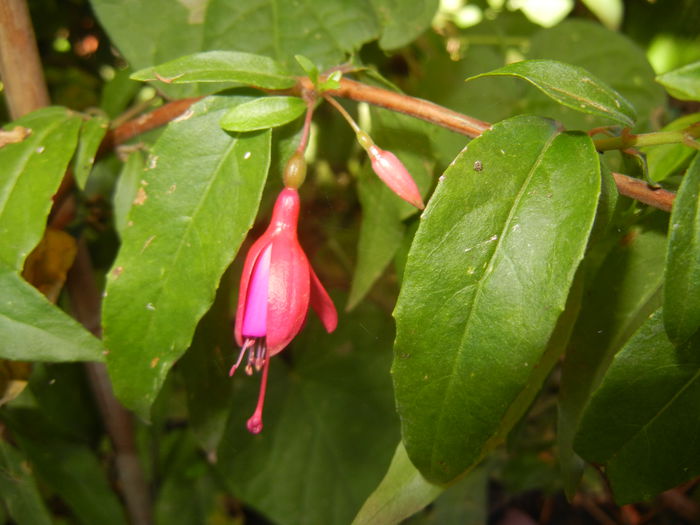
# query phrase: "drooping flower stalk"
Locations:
[[277, 287], [385, 164]]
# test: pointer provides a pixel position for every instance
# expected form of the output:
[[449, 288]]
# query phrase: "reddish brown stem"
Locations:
[[414, 107]]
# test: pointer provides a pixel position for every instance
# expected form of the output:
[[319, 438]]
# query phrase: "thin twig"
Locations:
[[86, 304], [414, 107]]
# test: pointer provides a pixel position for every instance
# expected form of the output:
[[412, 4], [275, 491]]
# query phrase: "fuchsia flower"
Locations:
[[395, 175], [277, 287]]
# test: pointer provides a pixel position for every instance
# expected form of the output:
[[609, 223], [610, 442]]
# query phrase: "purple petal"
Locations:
[[255, 316]]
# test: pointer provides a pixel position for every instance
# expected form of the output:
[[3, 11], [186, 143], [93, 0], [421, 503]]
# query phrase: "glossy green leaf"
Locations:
[[402, 22], [18, 489], [610, 56], [642, 422], [667, 159], [263, 113], [35, 330], [32, 171], [571, 86], [70, 468], [220, 66], [682, 292], [330, 424], [197, 199], [402, 493], [682, 83], [126, 189], [92, 132], [620, 295], [382, 228], [487, 278]]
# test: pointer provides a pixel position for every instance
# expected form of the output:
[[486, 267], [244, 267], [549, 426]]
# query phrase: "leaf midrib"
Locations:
[[477, 293]]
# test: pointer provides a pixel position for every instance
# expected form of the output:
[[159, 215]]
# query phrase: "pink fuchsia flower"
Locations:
[[277, 287], [395, 175]]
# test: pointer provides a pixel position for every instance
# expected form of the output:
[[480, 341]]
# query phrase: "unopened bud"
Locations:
[[295, 171], [395, 175]]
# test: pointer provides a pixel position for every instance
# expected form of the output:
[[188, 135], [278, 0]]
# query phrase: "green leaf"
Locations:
[[32, 172], [198, 198], [35, 330], [623, 291], [642, 422], [571, 86], [610, 56], [220, 66], [667, 159], [70, 468], [330, 424], [126, 189], [324, 31], [682, 292], [487, 278], [402, 22], [263, 113], [466, 502], [188, 490], [381, 233], [92, 132], [309, 67], [682, 83], [402, 493], [18, 489]]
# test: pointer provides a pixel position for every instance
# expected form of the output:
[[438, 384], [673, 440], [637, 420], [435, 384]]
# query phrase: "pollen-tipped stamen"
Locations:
[[255, 423]]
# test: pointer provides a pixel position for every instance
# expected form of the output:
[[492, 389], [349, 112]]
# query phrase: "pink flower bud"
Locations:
[[395, 175], [277, 287]]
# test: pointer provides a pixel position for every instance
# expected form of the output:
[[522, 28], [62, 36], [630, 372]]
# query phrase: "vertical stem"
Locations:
[[22, 74], [86, 302], [20, 67]]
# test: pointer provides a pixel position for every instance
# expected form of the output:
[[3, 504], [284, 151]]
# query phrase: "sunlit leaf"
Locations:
[[682, 83]]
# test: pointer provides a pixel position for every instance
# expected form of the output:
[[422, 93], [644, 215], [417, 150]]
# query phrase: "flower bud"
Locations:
[[395, 175], [295, 171]]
